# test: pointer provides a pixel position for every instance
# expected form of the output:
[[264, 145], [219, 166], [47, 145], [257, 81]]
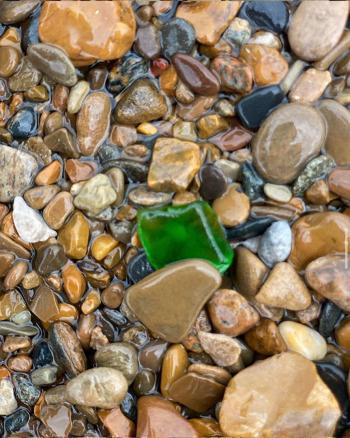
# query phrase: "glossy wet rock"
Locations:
[[177, 36], [310, 86], [147, 42], [176, 225], [57, 418], [49, 258], [233, 139], [58, 209], [12, 12], [153, 298], [232, 207], [339, 182], [235, 75], [284, 288], [26, 76], [213, 182], [23, 124], [195, 75], [318, 235], [265, 338], [26, 392], [270, 408], [96, 32], [158, 418], [93, 122], [62, 141], [100, 387], [275, 244], [53, 62], [230, 312], [174, 366], [208, 19], [141, 102], [7, 397], [96, 195], [174, 164], [116, 423], [224, 350], [29, 224], [316, 27], [338, 122], [293, 129], [266, 15], [44, 304], [9, 58]]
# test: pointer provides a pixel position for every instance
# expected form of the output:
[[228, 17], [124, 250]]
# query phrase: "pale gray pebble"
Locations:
[[10, 328], [44, 376], [252, 244], [276, 243]]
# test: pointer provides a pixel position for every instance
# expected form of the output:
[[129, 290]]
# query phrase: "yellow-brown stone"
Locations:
[[88, 31], [232, 207], [74, 283], [174, 164], [211, 124], [175, 364], [102, 245], [74, 236]]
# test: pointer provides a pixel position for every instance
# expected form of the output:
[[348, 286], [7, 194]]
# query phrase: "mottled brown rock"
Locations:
[[10, 245], [194, 110], [174, 164], [265, 338], [232, 207], [62, 141], [293, 130], [93, 122], [224, 350], [57, 418], [268, 64], [316, 27], [235, 75], [209, 19], [319, 234], [233, 139], [258, 400], [152, 299], [12, 13], [80, 170], [211, 124], [285, 289], [92, 32], [230, 313], [116, 423], [39, 197], [158, 418], [330, 277], [249, 272], [310, 86]]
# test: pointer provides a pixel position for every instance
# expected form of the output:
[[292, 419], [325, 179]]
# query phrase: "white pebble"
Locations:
[[276, 243], [278, 192]]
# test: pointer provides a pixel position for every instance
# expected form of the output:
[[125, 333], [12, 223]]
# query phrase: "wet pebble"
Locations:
[[177, 36], [7, 398], [275, 244], [49, 258], [278, 193], [96, 195], [23, 124], [147, 42], [42, 355], [268, 16], [252, 183], [44, 376], [17, 420], [26, 76], [213, 182], [25, 390], [235, 76], [232, 207], [139, 267], [9, 60]]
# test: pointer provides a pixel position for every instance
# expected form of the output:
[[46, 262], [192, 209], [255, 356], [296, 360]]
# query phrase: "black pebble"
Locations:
[[42, 355], [26, 392], [128, 406], [139, 267], [249, 229], [23, 124], [115, 317], [252, 183], [255, 107], [268, 15], [177, 36], [330, 316], [17, 420], [213, 182]]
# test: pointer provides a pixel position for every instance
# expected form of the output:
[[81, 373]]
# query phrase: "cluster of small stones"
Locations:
[[110, 107]]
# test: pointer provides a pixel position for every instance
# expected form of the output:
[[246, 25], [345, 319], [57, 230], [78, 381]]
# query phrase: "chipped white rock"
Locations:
[[276, 243], [30, 226], [8, 403]]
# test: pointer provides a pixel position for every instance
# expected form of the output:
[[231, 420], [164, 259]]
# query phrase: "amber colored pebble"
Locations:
[[265, 338], [116, 423], [50, 174], [112, 296], [12, 38], [102, 245], [9, 60], [91, 302], [53, 122], [6, 261], [168, 80], [175, 364], [58, 209], [319, 193], [66, 313], [39, 197], [74, 236], [22, 363], [206, 427], [39, 405], [80, 170], [60, 97], [15, 275], [14, 343], [11, 303], [74, 283], [4, 373], [342, 334], [44, 304], [8, 227]]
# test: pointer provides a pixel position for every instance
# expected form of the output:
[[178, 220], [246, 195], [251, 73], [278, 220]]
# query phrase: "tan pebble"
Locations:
[[44, 304], [14, 343], [31, 280], [175, 364], [319, 193], [74, 283], [53, 122], [116, 423], [310, 86], [232, 207], [74, 236], [39, 93], [49, 175], [21, 362], [91, 302], [123, 135], [76, 96], [112, 296], [15, 275], [146, 129], [102, 245], [58, 209], [224, 350], [9, 60], [278, 193], [11, 303]]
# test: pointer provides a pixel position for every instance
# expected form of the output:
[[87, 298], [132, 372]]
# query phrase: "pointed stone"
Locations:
[[285, 289], [224, 350], [169, 307], [29, 224]]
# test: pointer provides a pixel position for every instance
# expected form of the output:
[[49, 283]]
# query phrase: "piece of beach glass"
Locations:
[[169, 234]]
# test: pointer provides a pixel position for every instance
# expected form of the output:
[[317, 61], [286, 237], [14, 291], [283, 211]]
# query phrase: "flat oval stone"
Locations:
[[164, 305], [90, 32], [177, 36], [93, 122], [319, 234], [293, 130], [338, 134], [196, 75], [316, 27], [53, 62], [265, 15], [256, 403], [100, 387]]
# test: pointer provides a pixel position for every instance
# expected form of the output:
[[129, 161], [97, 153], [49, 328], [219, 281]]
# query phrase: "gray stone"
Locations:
[[8, 403], [26, 392], [44, 376], [276, 243]]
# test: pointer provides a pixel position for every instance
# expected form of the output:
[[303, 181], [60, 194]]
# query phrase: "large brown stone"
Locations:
[[158, 418], [88, 31], [209, 19], [293, 130], [330, 277], [168, 307], [319, 234], [280, 396]]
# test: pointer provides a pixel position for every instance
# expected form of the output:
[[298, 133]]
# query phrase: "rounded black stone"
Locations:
[[177, 36], [255, 107], [42, 355], [252, 183], [249, 229], [23, 124], [213, 182], [17, 420], [330, 316], [139, 267], [269, 15]]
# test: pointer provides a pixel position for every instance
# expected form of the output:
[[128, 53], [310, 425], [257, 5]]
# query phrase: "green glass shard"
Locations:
[[183, 232]]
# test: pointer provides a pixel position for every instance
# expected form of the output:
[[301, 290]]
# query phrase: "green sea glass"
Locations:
[[169, 234]]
